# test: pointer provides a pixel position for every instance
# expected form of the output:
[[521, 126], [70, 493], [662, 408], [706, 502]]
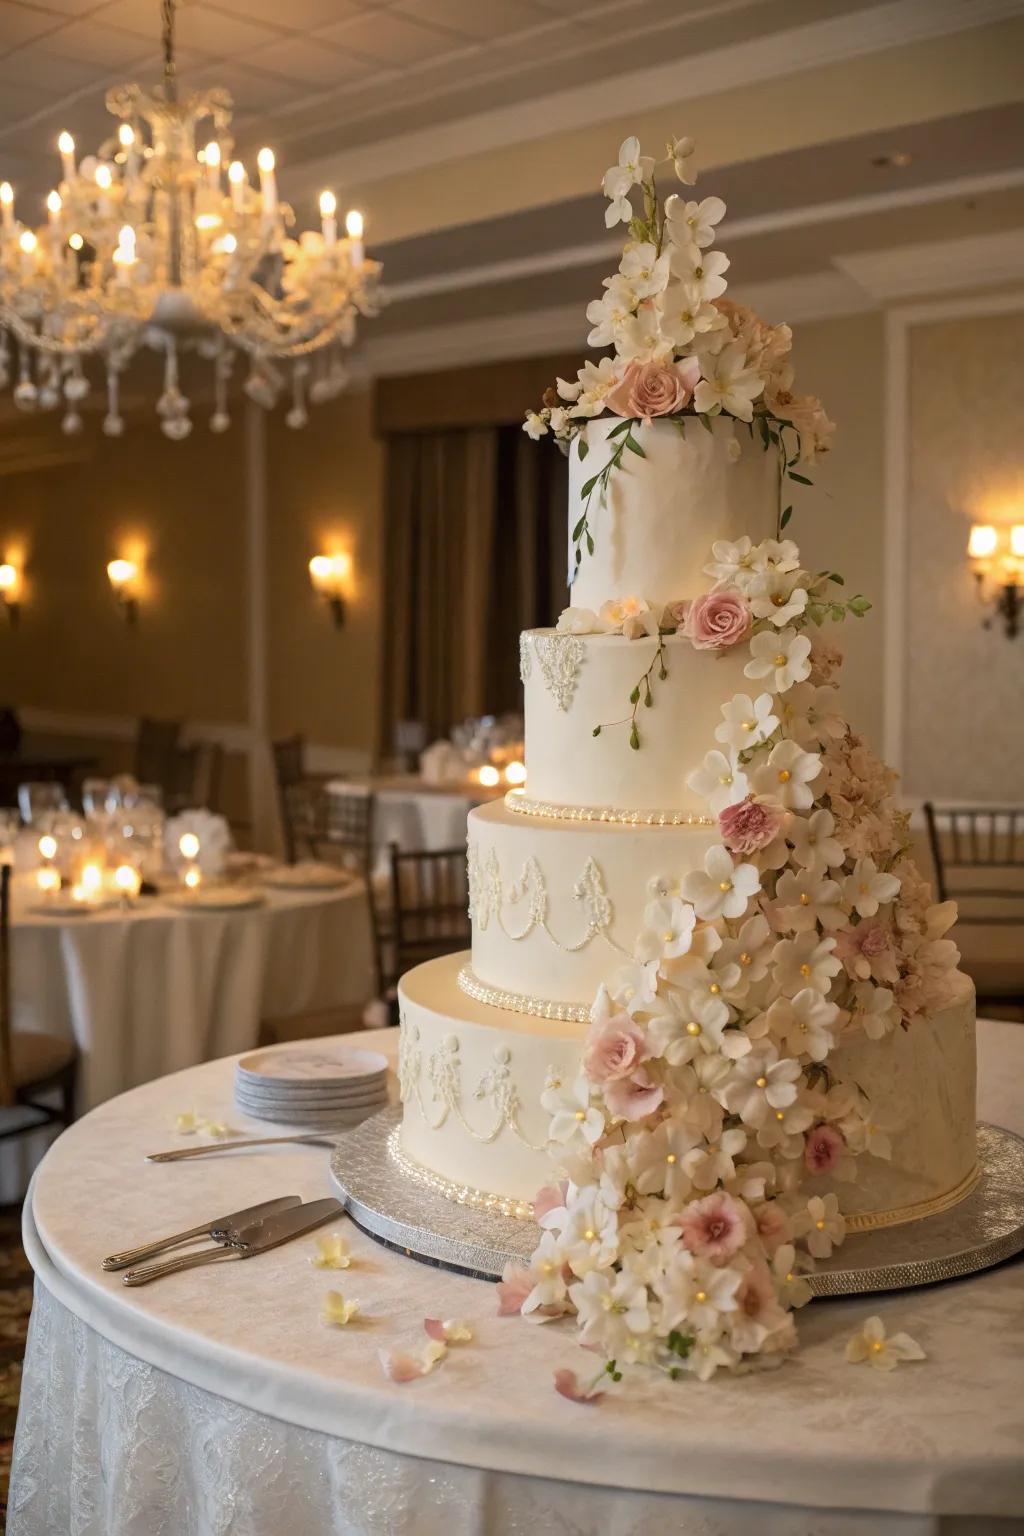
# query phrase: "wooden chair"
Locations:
[[428, 914], [978, 854], [31, 1063], [344, 826], [155, 746], [297, 797]]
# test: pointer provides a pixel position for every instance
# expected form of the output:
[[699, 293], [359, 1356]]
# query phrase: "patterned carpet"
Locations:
[[15, 1306]]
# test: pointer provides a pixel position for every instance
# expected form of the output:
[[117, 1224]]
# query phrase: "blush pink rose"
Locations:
[[613, 1049], [751, 824], [654, 389], [868, 952], [823, 1148], [713, 1228], [719, 619], [631, 1098]]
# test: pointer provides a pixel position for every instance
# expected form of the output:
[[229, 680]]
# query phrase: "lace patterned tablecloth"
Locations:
[[216, 1402]]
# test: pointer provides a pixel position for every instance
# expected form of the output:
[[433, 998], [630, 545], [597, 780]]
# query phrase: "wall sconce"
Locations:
[[330, 575], [123, 576], [10, 589], [997, 555]]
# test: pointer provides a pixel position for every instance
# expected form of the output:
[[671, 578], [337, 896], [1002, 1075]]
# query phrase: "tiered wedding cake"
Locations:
[[706, 984]]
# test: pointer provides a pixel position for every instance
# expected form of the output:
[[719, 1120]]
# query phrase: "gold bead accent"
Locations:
[[589, 1235], [820, 1226], [580, 1114], [779, 1115], [667, 936], [746, 959], [790, 1276], [714, 989], [671, 1158], [780, 660], [877, 1346], [693, 1028], [761, 1082], [725, 885], [785, 776], [700, 1296], [747, 725], [805, 900], [805, 969]]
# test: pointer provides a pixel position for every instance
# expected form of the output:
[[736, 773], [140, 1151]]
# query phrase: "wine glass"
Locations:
[[39, 802]]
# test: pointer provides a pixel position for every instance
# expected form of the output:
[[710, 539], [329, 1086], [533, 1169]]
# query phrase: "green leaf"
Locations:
[[705, 423], [634, 447], [662, 673], [634, 739], [589, 486], [634, 697], [858, 606], [835, 576], [800, 479], [577, 532], [838, 611], [784, 519], [584, 447], [648, 700], [596, 731], [623, 426], [590, 542]]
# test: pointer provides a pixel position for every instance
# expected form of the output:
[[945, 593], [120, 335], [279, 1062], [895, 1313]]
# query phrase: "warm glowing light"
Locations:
[[92, 879], [10, 579], [1017, 540], [104, 178], [125, 253], [229, 245], [53, 202], [188, 845], [982, 542], [66, 144], [192, 877], [126, 135], [354, 224], [47, 847], [328, 205], [121, 573], [328, 573], [6, 194], [127, 880], [27, 241], [48, 879], [515, 773], [208, 220], [488, 776], [265, 161], [236, 172], [212, 154], [75, 241]]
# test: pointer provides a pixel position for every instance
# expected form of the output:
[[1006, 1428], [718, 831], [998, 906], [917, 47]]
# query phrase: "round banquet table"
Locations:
[[216, 1402], [153, 989]]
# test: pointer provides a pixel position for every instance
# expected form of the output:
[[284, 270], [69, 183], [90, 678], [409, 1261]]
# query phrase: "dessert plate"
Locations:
[[312, 1063], [224, 898], [307, 877]]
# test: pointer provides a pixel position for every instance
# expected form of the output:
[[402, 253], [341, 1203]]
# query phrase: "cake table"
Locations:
[[217, 1402]]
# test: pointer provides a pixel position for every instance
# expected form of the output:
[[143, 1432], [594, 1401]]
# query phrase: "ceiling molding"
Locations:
[[835, 40], [571, 257], [949, 266]]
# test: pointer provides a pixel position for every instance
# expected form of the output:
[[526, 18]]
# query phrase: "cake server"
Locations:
[[276, 1228], [221, 1229], [317, 1138]]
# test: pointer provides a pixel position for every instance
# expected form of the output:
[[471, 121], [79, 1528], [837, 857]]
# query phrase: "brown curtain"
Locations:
[[474, 544]]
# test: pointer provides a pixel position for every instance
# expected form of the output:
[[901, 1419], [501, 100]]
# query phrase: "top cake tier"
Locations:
[[655, 524]]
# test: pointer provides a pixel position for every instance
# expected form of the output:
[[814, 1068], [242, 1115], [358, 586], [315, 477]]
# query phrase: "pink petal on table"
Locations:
[[513, 1288], [434, 1329], [567, 1383], [399, 1366]]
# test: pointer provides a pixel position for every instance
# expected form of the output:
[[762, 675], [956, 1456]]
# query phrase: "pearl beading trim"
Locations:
[[462, 1194], [519, 1002], [516, 801]]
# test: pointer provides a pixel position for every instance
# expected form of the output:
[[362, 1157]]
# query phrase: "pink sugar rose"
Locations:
[[751, 824], [713, 1228], [632, 1098], [823, 1149], [868, 952], [719, 619], [613, 1049], [654, 389]]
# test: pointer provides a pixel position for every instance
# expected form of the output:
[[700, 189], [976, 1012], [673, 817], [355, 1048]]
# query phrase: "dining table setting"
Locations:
[[170, 1387]]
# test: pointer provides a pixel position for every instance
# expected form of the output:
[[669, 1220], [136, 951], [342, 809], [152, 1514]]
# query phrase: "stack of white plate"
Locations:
[[321, 1087]]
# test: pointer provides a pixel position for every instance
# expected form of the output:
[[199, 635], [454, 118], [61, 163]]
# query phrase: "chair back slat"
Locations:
[[978, 853], [429, 905], [343, 820], [7, 1095]]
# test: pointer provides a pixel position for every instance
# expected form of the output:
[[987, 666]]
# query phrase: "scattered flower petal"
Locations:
[[336, 1311], [568, 1384], [331, 1252], [885, 1354]]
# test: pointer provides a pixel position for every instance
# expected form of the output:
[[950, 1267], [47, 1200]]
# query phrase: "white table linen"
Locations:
[[156, 989], [216, 1401], [414, 814]]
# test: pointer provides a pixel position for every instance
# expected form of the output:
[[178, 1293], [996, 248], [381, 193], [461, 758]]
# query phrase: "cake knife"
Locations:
[[221, 1229], [279, 1227]]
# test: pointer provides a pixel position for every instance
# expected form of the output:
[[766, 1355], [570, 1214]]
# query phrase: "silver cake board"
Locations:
[[984, 1228]]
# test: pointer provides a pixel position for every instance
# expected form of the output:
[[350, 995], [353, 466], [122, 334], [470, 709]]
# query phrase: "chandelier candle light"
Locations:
[[145, 247]]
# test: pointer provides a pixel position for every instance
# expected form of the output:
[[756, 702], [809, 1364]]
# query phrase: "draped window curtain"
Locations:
[[475, 551]]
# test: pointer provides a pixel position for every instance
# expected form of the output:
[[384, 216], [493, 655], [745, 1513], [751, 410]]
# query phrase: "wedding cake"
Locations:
[[709, 1022]]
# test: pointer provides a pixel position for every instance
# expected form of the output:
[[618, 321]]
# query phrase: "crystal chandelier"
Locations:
[[147, 246]]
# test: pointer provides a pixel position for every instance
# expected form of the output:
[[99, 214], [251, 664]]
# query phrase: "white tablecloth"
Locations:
[[149, 991], [416, 815], [216, 1402]]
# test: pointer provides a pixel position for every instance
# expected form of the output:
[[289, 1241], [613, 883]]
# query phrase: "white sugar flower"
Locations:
[[783, 1131], [803, 900], [787, 776], [686, 1026], [806, 961], [696, 1293], [705, 274], [732, 563], [608, 314], [759, 1085], [728, 384], [659, 1168], [693, 224], [595, 381], [809, 715], [874, 1009], [588, 1230], [822, 1224], [885, 1354], [612, 1308], [775, 595], [640, 340], [708, 1166], [547, 1271], [634, 985], [748, 951], [572, 1114], [868, 888], [721, 888], [686, 314], [644, 270], [745, 722], [709, 1354], [792, 1286], [719, 780], [569, 389], [780, 659], [580, 621], [667, 931], [535, 426], [804, 1024], [632, 169], [782, 554], [814, 846], [681, 153]]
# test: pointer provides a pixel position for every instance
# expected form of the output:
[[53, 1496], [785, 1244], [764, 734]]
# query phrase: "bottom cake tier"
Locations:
[[472, 1075]]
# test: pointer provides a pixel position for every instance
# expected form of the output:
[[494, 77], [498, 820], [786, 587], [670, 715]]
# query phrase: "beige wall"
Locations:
[[964, 709]]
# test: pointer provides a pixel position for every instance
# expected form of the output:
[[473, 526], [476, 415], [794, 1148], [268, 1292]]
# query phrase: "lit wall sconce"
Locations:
[[330, 576], [10, 589], [123, 576], [997, 557]]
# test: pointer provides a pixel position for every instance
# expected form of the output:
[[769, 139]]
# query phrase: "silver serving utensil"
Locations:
[[270, 1232], [222, 1229], [314, 1138]]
